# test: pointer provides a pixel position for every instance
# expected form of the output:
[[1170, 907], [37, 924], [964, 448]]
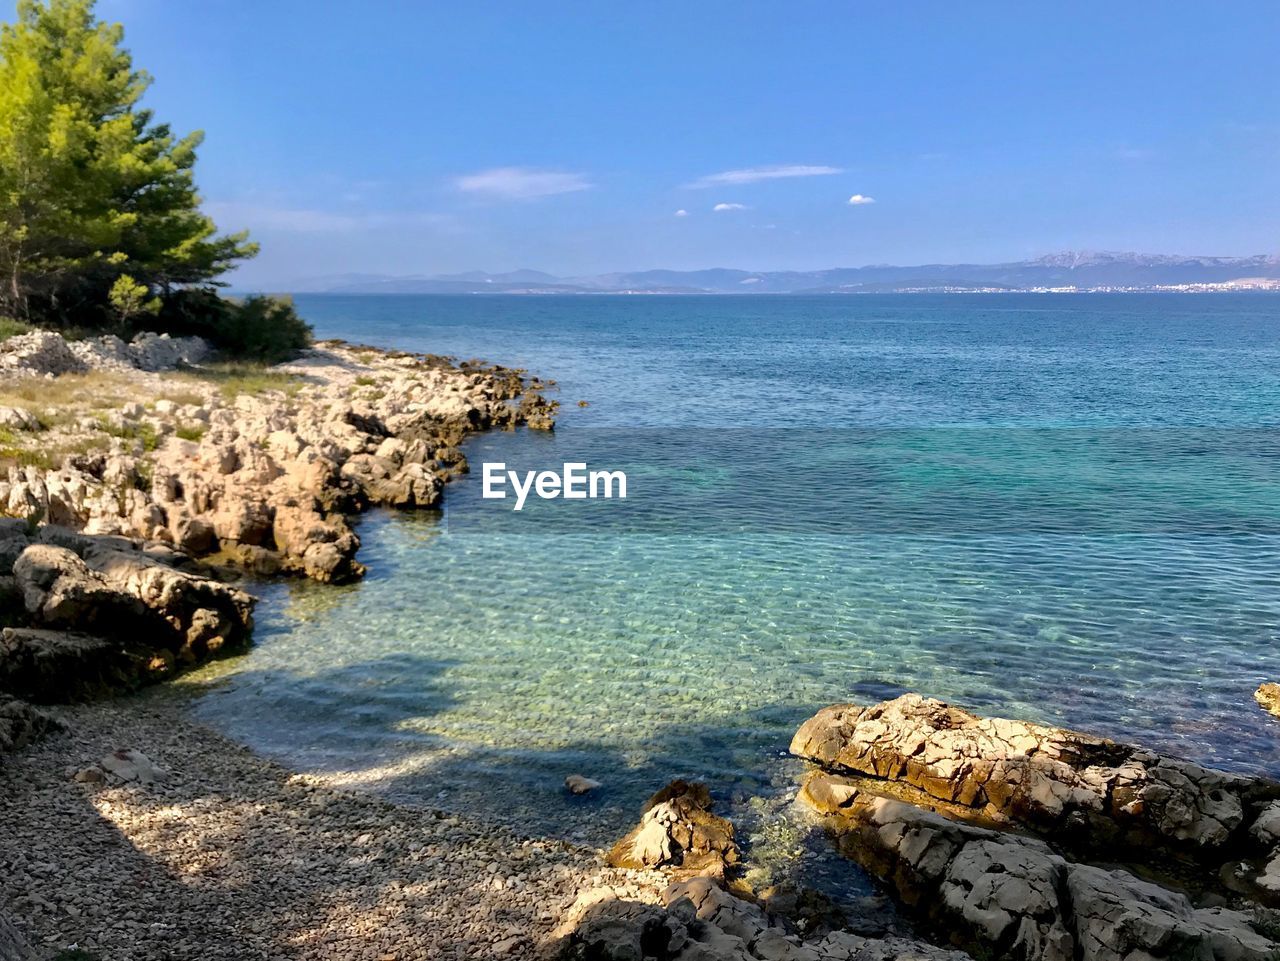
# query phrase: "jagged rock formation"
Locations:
[[43, 352], [121, 590], [266, 481], [678, 830], [97, 583], [1013, 897], [925, 796], [1086, 791], [105, 614], [699, 919]]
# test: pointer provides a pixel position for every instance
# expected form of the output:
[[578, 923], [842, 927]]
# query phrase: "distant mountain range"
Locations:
[[1070, 270]]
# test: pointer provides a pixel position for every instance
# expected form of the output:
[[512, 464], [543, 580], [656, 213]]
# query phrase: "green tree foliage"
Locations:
[[92, 190], [258, 328], [130, 299]]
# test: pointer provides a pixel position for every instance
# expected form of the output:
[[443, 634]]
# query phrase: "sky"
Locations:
[[576, 138]]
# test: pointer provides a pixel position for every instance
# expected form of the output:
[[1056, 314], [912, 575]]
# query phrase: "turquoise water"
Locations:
[[1054, 507]]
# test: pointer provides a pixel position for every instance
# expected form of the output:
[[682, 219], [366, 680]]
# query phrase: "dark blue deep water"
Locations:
[[1059, 507]]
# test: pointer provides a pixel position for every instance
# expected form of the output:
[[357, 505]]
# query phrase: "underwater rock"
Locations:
[[577, 784]]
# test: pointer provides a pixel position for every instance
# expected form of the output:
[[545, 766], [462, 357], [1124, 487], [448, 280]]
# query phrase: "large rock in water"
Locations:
[[698, 919], [1014, 898], [1268, 697], [1084, 790]]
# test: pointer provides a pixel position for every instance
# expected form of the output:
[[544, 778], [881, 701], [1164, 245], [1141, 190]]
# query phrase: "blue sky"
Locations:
[[423, 137]]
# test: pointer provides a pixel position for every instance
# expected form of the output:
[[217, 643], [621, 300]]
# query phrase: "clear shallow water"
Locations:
[[849, 497]]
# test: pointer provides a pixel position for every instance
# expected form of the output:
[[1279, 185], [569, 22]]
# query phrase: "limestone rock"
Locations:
[[1268, 696], [614, 930], [130, 766], [1084, 790], [1266, 826], [39, 352], [49, 667], [1013, 897], [242, 520], [147, 351], [102, 353], [60, 590], [203, 615], [332, 449], [324, 547], [18, 418], [192, 534], [678, 830], [162, 352], [700, 921], [115, 590]]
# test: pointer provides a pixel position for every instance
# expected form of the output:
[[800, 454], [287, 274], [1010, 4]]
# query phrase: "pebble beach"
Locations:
[[230, 856]]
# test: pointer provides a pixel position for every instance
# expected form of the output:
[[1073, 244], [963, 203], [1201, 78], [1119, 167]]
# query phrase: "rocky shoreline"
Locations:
[[1003, 839], [141, 476], [259, 469]]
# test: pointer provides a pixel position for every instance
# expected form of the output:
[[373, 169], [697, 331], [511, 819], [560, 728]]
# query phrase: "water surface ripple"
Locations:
[[1119, 573]]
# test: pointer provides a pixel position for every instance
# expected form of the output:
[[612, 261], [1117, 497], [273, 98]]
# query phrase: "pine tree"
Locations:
[[91, 188]]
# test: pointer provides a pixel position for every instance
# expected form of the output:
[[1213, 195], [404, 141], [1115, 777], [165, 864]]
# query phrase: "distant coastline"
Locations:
[[1057, 273], [1269, 286]]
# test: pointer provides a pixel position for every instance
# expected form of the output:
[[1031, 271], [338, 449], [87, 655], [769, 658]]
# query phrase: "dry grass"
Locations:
[[142, 431], [233, 380], [60, 403], [98, 390], [190, 398], [33, 450]]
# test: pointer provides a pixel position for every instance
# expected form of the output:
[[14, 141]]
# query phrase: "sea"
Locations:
[[1057, 507]]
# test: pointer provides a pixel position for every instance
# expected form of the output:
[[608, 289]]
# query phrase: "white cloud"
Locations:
[[234, 215], [682, 212], [522, 183], [721, 208], [750, 175], [857, 200]]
